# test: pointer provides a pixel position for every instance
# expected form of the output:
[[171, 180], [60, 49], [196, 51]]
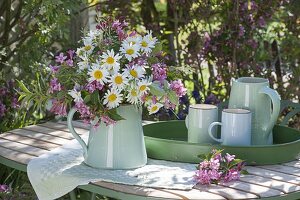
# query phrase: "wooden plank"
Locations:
[[273, 175], [49, 131], [40, 136], [226, 192], [62, 127], [271, 183], [15, 155], [159, 193], [77, 124], [22, 148], [284, 169], [29, 141], [295, 163], [258, 190]]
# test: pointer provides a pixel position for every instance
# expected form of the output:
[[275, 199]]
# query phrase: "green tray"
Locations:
[[168, 141]]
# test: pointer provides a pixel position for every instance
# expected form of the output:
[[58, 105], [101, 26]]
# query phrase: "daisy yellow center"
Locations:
[[154, 108], [143, 87], [87, 47], [112, 97], [110, 60], [133, 93], [130, 51], [144, 44], [118, 80], [133, 42], [98, 74], [133, 73]]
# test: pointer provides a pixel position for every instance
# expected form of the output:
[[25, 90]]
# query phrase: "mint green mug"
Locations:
[[254, 94]]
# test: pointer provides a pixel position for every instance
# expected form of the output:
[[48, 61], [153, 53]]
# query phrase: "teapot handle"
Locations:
[[75, 135], [275, 98]]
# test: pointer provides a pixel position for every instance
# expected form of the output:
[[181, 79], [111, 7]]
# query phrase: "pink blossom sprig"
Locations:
[[216, 168]]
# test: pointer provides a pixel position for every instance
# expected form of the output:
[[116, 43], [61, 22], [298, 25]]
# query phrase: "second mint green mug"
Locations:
[[254, 94]]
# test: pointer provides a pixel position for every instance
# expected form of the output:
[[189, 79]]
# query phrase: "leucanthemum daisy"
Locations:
[[111, 61], [136, 39], [148, 43], [84, 63], [130, 50], [118, 81], [112, 98], [143, 86], [88, 45], [135, 72], [154, 108], [76, 95], [98, 74], [133, 96]]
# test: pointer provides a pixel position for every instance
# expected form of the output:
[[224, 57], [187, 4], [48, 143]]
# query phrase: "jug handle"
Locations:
[[75, 135], [275, 98], [187, 121]]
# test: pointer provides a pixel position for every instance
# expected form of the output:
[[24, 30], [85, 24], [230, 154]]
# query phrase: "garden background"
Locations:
[[207, 43]]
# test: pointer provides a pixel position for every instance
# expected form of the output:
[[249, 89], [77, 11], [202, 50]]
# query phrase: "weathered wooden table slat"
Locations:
[[19, 146]]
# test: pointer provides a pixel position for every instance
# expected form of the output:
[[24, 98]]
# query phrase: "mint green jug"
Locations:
[[118, 146], [254, 94]]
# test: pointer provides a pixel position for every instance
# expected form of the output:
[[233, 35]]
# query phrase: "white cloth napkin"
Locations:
[[58, 172]]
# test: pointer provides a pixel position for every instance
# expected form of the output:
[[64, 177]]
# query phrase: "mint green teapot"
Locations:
[[118, 146], [254, 94]]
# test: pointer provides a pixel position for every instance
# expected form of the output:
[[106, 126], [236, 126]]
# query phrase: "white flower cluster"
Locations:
[[126, 83]]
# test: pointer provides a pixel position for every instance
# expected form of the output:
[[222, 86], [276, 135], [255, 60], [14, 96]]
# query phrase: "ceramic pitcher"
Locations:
[[254, 94], [118, 146]]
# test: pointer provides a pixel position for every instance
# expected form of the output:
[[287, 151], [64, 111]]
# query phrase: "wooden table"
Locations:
[[18, 147]]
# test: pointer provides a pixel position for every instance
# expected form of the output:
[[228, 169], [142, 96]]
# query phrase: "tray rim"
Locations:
[[219, 145]]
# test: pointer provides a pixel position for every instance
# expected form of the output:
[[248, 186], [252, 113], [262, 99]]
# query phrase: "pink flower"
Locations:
[[107, 120], [159, 71], [59, 108], [232, 175], [229, 157], [60, 58], [168, 104], [178, 87], [92, 86], [54, 85], [83, 109]]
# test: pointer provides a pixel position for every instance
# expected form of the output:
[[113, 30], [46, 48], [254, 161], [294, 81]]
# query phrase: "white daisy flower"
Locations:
[[133, 96], [84, 63], [148, 43], [118, 81], [110, 60], [135, 72], [130, 50], [143, 86], [76, 95], [134, 39], [112, 98], [98, 74], [154, 108], [88, 45]]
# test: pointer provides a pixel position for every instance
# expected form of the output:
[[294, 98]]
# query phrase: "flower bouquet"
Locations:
[[112, 67]]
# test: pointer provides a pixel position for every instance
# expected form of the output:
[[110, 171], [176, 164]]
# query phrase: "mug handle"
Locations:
[[275, 99], [187, 121], [210, 133], [75, 135]]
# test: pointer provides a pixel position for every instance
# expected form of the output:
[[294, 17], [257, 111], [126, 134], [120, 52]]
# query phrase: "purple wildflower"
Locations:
[[71, 53], [54, 85], [261, 22], [4, 188], [241, 31], [2, 109], [60, 58], [92, 86], [3, 91], [178, 87], [69, 62], [54, 68], [107, 120], [159, 72], [59, 108]]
